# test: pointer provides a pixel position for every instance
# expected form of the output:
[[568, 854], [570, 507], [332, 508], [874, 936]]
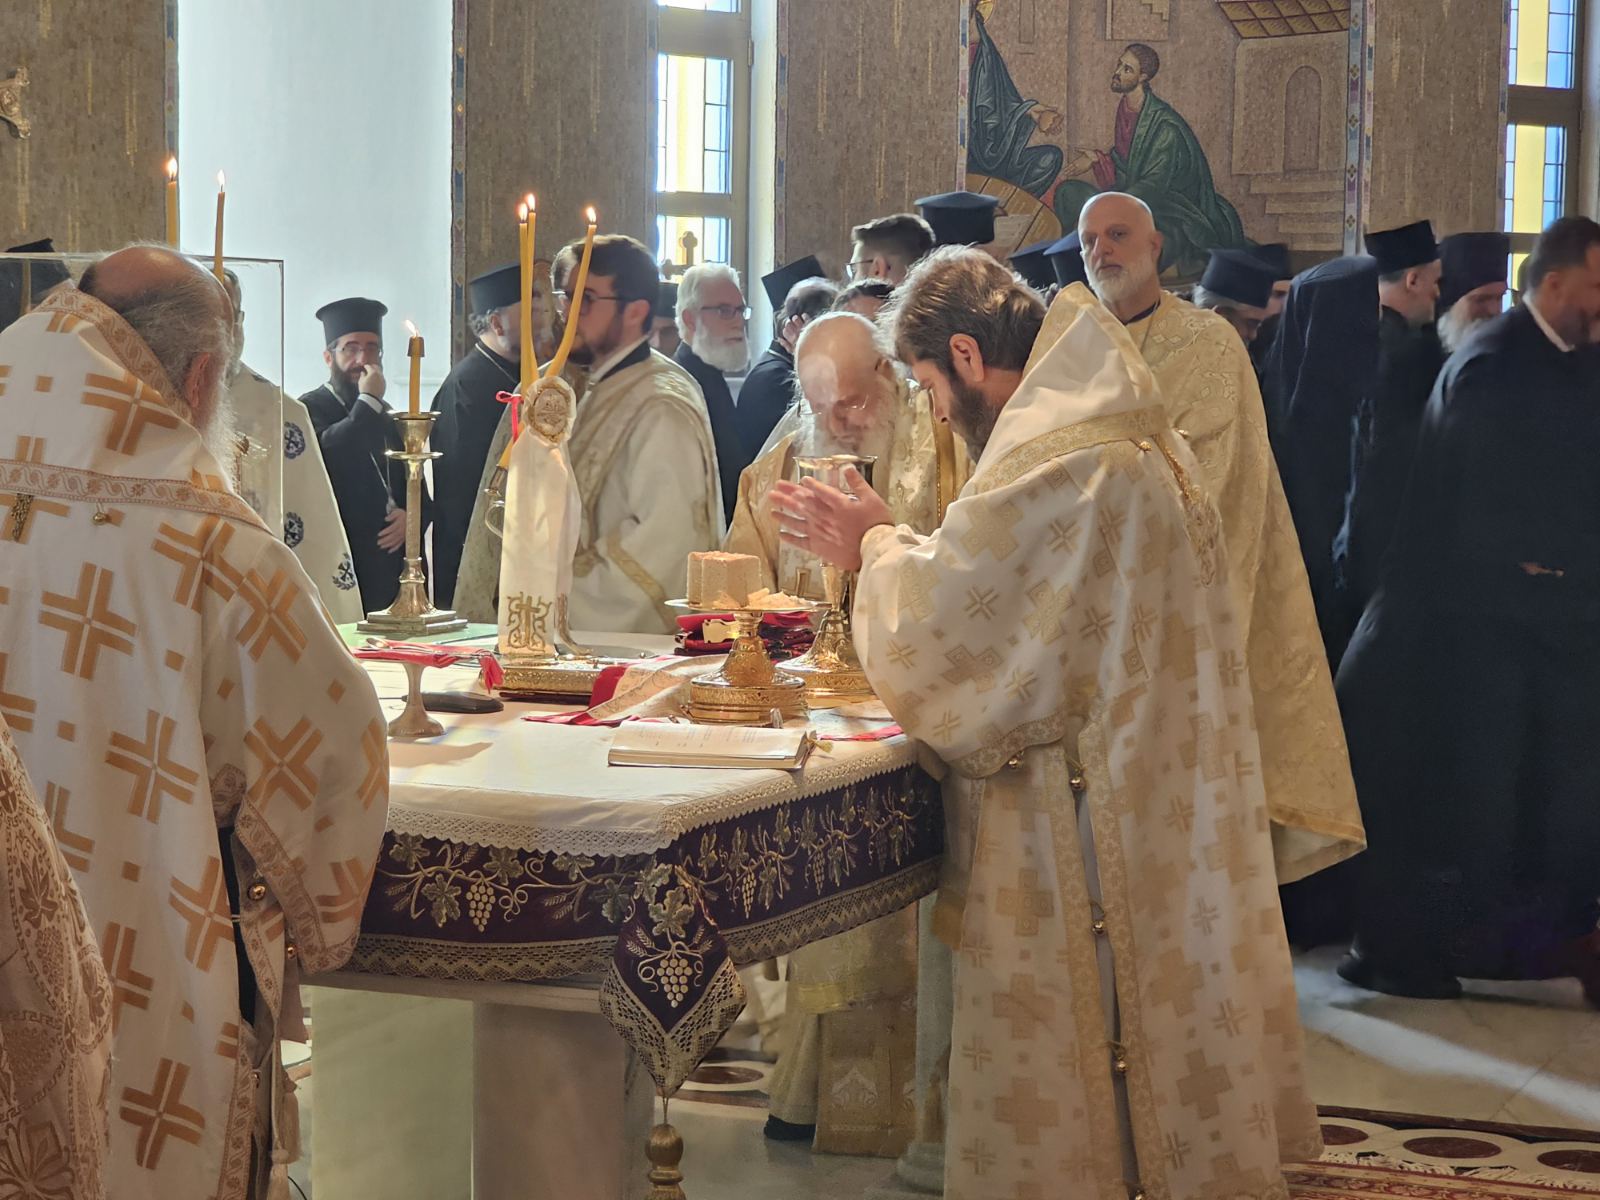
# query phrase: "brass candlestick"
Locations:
[[414, 721], [412, 614], [831, 672]]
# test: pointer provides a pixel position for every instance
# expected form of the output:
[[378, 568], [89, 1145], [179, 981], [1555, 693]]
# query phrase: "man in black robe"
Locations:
[[1409, 360], [1319, 370], [354, 428], [469, 413], [714, 342], [1471, 691], [1237, 286], [1473, 288], [799, 295], [1276, 257]]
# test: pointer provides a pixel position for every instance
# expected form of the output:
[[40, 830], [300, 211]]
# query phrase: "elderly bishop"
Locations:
[[213, 760], [1066, 643]]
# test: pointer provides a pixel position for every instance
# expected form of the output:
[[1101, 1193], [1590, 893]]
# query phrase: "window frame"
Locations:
[[1553, 107], [695, 33]]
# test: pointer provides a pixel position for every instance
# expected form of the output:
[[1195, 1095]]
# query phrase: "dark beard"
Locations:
[[971, 417], [339, 384], [587, 356]]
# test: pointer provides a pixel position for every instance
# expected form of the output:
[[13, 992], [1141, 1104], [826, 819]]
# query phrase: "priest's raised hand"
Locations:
[[826, 521]]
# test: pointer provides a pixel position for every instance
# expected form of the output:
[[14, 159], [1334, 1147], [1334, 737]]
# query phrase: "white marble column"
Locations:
[[919, 1173]]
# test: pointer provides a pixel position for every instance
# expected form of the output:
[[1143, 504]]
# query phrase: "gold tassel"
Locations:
[[665, 1152]]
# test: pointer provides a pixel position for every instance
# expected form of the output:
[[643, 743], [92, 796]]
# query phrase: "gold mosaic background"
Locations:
[[91, 175]]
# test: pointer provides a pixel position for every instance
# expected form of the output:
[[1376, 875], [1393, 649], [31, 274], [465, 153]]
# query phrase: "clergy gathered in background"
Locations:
[[1257, 613]]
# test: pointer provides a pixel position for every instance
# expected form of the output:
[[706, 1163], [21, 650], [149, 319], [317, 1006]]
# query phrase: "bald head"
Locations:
[[1122, 252], [846, 380], [179, 311]]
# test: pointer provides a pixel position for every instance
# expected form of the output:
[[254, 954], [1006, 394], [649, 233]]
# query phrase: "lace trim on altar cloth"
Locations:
[[825, 773], [672, 1055]]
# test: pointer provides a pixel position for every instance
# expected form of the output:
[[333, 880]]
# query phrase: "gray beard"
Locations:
[[1454, 331], [727, 357], [220, 433], [1114, 289]]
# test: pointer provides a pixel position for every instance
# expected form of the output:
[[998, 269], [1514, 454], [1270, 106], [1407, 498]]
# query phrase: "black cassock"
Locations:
[[469, 413], [1471, 689], [731, 456], [1319, 369], [766, 395], [353, 440], [1409, 361]]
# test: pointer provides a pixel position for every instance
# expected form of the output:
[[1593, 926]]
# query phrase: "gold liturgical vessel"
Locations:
[[412, 614], [830, 671], [747, 689]]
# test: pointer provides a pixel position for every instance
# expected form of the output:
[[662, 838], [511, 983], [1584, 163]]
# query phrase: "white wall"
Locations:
[[332, 121]]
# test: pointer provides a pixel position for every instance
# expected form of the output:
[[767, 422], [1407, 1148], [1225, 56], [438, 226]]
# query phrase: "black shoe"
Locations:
[[784, 1131], [1361, 971]]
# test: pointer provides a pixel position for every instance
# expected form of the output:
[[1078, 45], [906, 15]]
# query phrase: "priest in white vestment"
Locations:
[[1208, 387], [214, 760], [278, 471], [1125, 1014], [849, 1044], [641, 450], [55, 1003]]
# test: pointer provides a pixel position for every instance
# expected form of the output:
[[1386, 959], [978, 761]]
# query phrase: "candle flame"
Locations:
[[412, 329], [532, 203], [222, 182], [172, 167], [594, 218], [522, 214]]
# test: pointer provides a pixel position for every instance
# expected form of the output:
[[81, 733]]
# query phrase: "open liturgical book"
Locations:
[[666, 745]]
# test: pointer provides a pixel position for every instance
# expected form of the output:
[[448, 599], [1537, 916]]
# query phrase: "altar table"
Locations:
[[524, 875]]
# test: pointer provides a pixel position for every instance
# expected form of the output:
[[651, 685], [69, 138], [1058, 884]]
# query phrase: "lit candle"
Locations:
[[414, 349], [222, 196], [575, 305], [172, 201], [527, 218]]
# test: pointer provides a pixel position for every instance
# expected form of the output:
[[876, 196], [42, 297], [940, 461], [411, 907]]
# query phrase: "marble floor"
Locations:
[[1522, 1054]]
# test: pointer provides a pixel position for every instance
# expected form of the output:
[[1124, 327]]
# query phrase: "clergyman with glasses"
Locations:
[[641, 450], [714, 343]]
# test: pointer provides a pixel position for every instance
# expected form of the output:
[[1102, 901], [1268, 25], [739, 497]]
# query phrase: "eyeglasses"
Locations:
[[860, 269], [727, 311], [564, 299]]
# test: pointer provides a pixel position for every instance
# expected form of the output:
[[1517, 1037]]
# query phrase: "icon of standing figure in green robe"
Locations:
[[1157, 158]]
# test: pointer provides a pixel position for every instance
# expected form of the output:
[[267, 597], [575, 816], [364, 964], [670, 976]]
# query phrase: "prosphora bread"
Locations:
[[726, 579]]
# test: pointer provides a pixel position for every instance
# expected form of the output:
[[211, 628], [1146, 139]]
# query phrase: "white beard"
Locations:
[[1118, 286], [1454, 331], [727, 357], [220, 433]]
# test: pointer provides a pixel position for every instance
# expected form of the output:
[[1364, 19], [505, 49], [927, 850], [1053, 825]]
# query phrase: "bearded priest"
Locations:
[[851, 400], [1067, 643], [849, 1009], [213, 758], [642, 453]]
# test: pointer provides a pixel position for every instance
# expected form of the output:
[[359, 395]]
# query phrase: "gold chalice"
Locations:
[[830, 670]]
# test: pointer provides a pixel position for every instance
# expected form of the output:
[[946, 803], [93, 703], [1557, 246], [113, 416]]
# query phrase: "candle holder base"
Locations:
[[397, 626], [747, 689], [414, 721]]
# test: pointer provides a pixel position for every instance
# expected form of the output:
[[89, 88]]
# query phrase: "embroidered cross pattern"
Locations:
[[284, 766], [375, 749], [1025, 904], [204, 909], [150, 764], [128, 985], [350, 880], [1048, 620], [160, 1114], [977, 668], [1026, 1111], [22, 506], [1231, 851], [270, 621], [1024, 1007], [200, 558], [1176, 982], [17, 709], [75, 847], [133, 407], [1203, 1087], [88, 621], [991, 529]]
